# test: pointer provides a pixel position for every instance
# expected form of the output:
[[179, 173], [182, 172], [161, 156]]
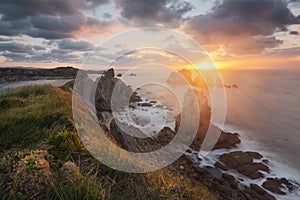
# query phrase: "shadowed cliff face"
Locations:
[[199, 85], [105, 88], [104, 91]]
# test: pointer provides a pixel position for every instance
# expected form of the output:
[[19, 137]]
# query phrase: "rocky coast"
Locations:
[[232, 167]]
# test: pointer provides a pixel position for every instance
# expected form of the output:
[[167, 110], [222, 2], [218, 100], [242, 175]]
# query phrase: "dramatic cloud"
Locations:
[[75, 45], [287, 51], [5, 39], [53, 19], [252, 45], [46, 57], [235, 23], [154, 12], [19, 47]]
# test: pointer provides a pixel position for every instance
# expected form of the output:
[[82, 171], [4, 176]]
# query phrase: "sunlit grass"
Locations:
[[36, 131]]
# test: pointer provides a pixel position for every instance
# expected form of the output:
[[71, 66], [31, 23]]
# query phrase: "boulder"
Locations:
[[227, 141], [231, 180], [244, 163], [253, 170], [135, 97], [276, 185], [221, 166]]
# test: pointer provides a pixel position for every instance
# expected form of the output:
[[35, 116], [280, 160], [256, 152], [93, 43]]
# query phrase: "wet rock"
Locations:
[[277, 185], [146, 104], [199, 170], [244, 163], [252, 170], [135, 97], [238, 158], [261, 192], [256, 192], [231, 180], [227, 141], [221, 166]]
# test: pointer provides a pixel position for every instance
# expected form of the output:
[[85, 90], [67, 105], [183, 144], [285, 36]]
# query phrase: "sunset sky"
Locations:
[[237, 33]]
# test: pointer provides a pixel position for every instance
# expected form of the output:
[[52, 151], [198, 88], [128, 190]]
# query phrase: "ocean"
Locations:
[[265, 110]]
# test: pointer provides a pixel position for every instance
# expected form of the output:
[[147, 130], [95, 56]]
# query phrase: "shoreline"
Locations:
[[276, 168], [215, 178]]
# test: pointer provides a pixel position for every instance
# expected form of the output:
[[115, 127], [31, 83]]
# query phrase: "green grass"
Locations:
[[38, 140], [28, 114]]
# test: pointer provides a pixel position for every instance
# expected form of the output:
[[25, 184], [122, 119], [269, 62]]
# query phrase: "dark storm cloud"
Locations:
[[55, 19], [166, 12], [235, 22], [5, 39], [47, 57], [252, 45], [14, 56], [16, 47], [18, 9], [75, 45], [56, 57]]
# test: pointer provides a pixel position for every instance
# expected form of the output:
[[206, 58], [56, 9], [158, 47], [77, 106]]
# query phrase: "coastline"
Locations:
[[277, 169], [15, 84], [213, 177]]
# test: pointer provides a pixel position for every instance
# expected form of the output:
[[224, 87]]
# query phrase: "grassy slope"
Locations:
[[41, 156]]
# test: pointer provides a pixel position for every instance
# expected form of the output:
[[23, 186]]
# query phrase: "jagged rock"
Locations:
[[261, 192], [135, 144], [146, 104], [238, 158], [244, 163], [256, 192], [227, 141], [221, 166], [231, 180], [276, 185], [252, 170], [187, 77], [105, 89], [135, 97], [204, 121]]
